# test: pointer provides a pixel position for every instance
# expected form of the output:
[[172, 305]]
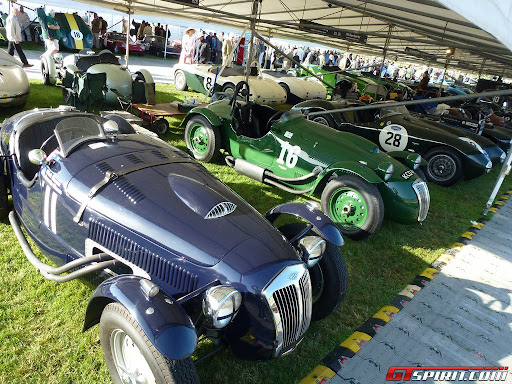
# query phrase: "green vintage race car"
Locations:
[[451, 153], [357, 183]]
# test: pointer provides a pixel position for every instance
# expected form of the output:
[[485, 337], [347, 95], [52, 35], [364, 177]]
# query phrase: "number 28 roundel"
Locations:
[[393, 137]]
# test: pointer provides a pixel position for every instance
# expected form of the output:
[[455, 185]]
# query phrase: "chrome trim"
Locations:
[[289, 298], [222, 209], [421, 189]]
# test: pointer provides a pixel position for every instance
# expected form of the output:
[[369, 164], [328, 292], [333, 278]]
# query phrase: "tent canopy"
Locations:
[[411, 30]]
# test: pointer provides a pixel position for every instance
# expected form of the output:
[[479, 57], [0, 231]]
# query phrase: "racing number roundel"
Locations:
[[393, 137], [76, 34], [208, 83]]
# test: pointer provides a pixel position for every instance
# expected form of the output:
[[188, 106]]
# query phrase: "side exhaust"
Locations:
[[97, 262]]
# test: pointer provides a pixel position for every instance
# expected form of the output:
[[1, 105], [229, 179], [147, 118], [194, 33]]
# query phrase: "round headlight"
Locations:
[[313, 248], [385, 170], [220, 305]]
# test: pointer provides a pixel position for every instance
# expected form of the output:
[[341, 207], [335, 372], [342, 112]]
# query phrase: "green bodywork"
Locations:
[[74, 34], [295, 147]]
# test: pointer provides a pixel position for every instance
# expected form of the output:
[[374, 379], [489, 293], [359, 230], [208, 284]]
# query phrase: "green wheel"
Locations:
[[202, 139], [355, 206]]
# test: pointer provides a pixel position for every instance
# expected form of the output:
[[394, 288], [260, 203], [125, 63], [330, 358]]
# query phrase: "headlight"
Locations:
[[488, 166], [473, 143], [414, 161], [385, 170], [220, 305], [313, 248], [503, 157]]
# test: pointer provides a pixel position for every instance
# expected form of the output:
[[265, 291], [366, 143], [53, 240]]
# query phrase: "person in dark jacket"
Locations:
[[201, 51]]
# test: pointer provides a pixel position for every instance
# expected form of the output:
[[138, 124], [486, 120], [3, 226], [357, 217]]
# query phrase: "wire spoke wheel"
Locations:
[[348, 208], [321, 120], [129, 361], [441, 167]]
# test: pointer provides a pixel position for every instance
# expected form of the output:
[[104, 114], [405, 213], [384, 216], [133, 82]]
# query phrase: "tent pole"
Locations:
[[254, 15], [165, 48], [127, 55]]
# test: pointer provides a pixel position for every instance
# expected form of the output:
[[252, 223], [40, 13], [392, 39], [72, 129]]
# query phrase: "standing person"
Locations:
[[51, 39], [140, 31], [24, 20], [124, 26], [187, 46], [148, 30], [227, 48], [95, 29], [215, 41], [422, 86], [13, 32], [104, 25], [218, 48]]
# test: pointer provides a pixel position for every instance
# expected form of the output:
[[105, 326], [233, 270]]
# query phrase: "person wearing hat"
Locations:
[[187, 46]]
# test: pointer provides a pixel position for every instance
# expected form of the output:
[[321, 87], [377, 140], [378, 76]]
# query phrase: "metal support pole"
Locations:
[[166, 38], [481, 68], [505, 171], [127, 55], [254, 15]]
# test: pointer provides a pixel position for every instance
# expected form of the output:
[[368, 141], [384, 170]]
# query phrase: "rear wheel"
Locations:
[[132, 358], [229, 88], [444, 166], [180, 81], [324, 120], [329, 277], [355, 206], [202, 139], [287, 90], [160, 126]]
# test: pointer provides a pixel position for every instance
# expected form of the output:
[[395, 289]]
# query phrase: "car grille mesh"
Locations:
[[156, 266], [291, 306], [421, 189]]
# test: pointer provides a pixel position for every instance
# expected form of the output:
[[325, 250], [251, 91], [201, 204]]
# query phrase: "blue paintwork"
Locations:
[[153, 220], [169, 328]]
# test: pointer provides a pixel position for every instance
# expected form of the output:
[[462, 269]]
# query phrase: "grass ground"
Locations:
[[40, 321]]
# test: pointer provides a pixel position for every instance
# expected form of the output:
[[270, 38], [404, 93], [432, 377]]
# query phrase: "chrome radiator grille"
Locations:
[[289, 298], [421, 189]]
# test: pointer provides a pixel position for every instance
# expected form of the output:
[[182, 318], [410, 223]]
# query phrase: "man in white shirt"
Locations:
[[13, 32], [24, 20]]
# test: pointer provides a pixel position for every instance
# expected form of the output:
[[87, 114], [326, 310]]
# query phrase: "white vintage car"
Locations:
[[202, 77], [14, 85], [297, 88]]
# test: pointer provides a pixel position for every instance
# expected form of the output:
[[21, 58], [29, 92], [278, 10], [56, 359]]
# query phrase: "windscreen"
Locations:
[[394, 110], [74, 131]]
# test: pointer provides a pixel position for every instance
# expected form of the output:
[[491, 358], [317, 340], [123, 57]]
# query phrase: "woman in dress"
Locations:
[[187, 46]]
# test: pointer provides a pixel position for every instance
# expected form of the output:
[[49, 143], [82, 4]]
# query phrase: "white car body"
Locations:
[[14, 85], [304, 88], [263, 91]]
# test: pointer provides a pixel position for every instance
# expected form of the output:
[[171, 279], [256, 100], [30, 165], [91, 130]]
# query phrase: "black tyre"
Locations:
[[324, 120], [160, 126], [180, 81], [202, 139], [45, 73], [67, 96], [444, 166], [329, 278], [287, 90], [4, 199], [355, 206], [129, 353], [229, 88]]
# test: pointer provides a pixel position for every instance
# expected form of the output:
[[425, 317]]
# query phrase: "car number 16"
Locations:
[[292, 154]]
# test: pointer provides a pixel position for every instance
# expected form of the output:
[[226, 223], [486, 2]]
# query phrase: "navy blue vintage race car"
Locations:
[[175, 253]]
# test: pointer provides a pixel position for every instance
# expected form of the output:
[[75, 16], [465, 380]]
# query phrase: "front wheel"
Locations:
[[329, 277], [326, 120], [45, 72], [180, 81], [202, 139], [132, 358], [160, 126], [355, 206], [444, 166]]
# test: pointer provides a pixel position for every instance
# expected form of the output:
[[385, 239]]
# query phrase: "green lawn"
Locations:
[[40, 321]]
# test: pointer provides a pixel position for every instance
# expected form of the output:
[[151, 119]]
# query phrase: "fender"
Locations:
[[320, 105], [405, 158], [315, 217], [350, 168], [50, 64], [169, 328], [208, 114], [148, 78]]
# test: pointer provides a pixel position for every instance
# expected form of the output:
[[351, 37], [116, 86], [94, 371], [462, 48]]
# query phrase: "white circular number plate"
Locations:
[[208, 83], [76, 34], [393, 137]]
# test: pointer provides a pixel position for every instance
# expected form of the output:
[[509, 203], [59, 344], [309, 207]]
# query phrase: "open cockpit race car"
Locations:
[[207, 79], [450, 152], [297, 88], [175, 254], [14, 85], [88, 79], [357, 183]]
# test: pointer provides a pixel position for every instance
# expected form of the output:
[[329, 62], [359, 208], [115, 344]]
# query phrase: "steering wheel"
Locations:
[[273, 118], [241, 88]]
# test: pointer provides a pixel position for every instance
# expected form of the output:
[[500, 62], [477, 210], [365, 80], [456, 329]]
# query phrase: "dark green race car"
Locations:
[[357, 183], [451, 153]]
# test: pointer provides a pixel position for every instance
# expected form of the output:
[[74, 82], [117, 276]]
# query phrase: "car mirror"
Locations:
[[111, 127], [37, 156]]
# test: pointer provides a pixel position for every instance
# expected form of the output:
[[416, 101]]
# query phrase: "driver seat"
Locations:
[[244, 121]]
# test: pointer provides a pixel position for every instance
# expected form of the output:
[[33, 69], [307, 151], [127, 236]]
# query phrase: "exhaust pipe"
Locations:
[[102, 260]]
